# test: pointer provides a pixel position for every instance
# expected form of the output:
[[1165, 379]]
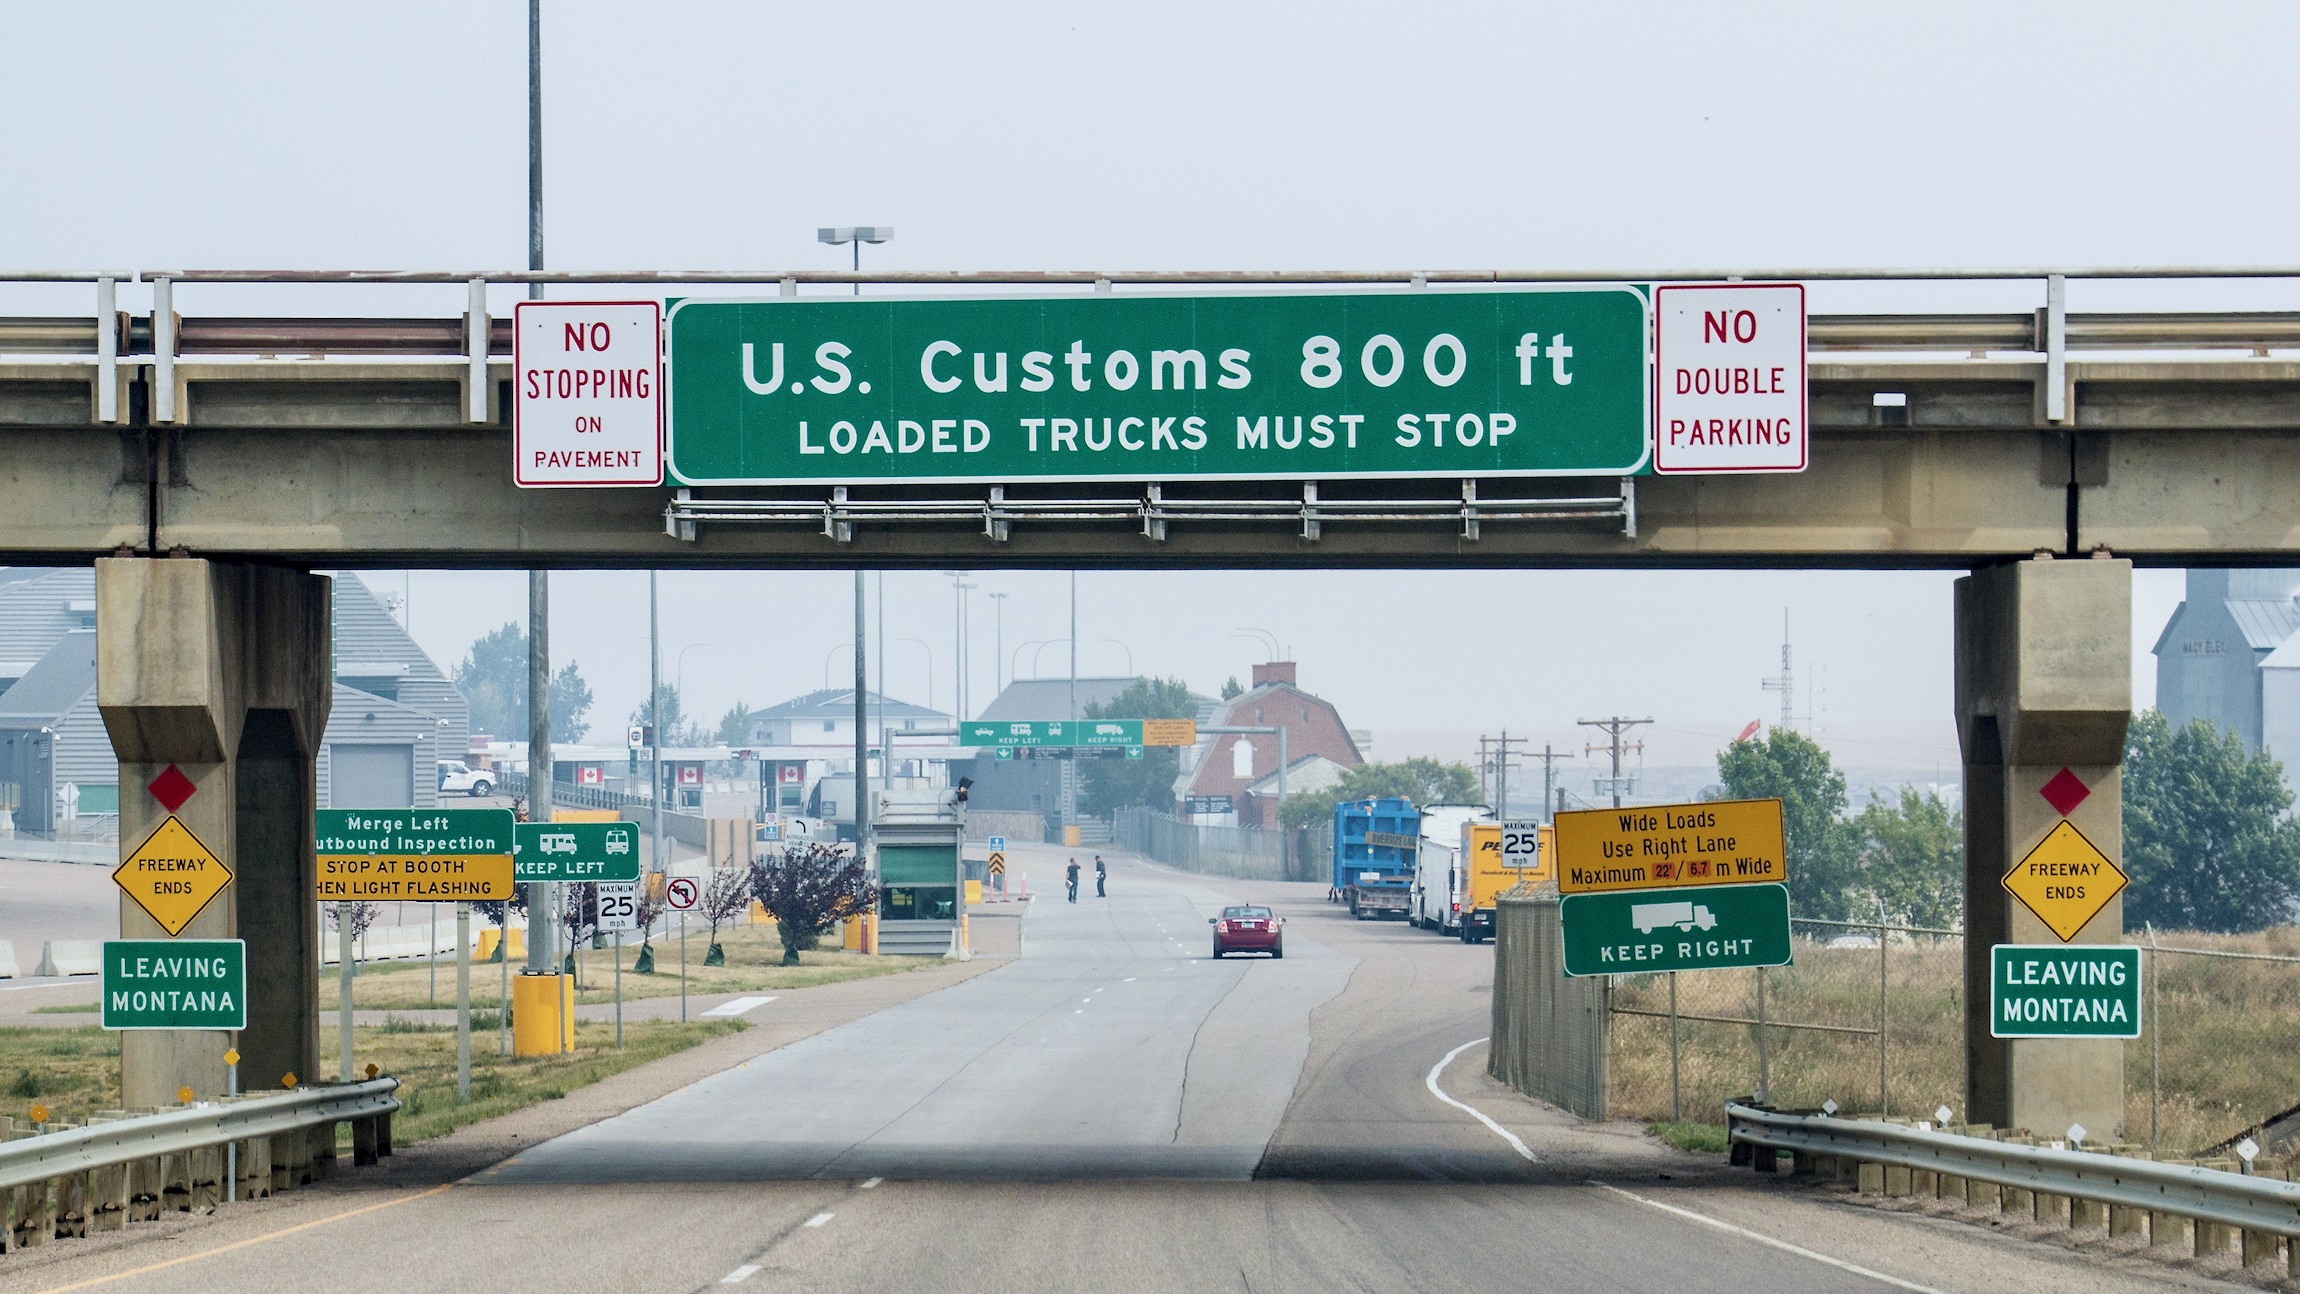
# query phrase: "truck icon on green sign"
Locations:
[[1648, 917]]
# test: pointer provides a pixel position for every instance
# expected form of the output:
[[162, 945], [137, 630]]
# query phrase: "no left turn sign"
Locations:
[[682, 893]]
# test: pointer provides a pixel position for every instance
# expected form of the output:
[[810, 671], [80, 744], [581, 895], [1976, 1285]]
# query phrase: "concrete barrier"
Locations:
[[71, 957], [8, 967]]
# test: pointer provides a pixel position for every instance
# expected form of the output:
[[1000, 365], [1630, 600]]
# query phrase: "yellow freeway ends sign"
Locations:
[[1720, 842], [2065, 881], [171, 876]]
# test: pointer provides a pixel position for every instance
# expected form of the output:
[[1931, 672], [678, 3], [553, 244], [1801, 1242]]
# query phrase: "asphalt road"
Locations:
[[1109, 1111]]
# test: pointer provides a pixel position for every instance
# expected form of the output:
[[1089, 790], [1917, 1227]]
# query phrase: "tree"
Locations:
[[805, 888], [578, 919], [1230, 688], [724, 899], [1913, 858], [735, 725], [2206, 841], [1823, 845], [361, 912], [1423, 781], [493, 680], [676, 731], [1108, 785]]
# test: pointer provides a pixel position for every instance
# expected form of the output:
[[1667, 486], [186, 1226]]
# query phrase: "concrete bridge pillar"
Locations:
[[2043, 685], [223, 671]]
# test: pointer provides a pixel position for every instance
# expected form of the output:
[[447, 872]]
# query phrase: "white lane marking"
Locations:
[[869, 1184], [1475, 1113], [1763, 1239], [740, 1274], [738, 1006], [820, 1218], [1130, 979]]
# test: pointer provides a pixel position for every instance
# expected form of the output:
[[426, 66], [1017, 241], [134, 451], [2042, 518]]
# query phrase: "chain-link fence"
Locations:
[[2219, 1054], [1242, 852], [1549, 1031]]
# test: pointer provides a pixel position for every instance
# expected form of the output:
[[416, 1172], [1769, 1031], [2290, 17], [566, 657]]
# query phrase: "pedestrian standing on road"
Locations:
[[1101, 876], [1073, 880]]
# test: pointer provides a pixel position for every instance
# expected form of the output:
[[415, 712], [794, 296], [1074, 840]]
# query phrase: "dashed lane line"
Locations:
[[820, 1218], [740, 1274]]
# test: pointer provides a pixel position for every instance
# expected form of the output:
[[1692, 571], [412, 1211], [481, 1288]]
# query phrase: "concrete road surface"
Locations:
[[1110, 1111]]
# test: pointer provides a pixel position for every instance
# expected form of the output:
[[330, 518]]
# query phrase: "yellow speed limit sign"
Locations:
[[1660, 846]]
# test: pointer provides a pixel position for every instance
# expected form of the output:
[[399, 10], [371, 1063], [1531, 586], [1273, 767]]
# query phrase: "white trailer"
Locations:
[[1440, 881]]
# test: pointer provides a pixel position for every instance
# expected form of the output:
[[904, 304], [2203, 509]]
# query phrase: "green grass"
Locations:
[[89, 1008], [1686, 1135]]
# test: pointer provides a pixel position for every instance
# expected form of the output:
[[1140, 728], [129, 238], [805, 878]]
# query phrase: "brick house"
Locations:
[[1232, 763]]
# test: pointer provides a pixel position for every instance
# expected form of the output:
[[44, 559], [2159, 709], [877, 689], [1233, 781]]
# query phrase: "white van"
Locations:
[[1440, 880], [455, 775]]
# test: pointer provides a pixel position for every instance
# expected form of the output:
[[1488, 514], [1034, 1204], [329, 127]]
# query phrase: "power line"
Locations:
[[1614, 729]]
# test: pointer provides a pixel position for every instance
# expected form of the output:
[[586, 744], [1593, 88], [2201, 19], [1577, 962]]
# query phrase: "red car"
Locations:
[[1248, 930]]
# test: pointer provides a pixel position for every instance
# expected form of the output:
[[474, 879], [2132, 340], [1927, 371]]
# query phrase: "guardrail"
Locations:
[[1969, 1163], [63, 1179]]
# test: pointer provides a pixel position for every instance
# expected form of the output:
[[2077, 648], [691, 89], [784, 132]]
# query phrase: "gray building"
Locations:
[[2210, 656], [395, 713]]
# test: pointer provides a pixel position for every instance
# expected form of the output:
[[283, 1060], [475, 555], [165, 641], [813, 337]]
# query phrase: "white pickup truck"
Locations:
[[455, 775]]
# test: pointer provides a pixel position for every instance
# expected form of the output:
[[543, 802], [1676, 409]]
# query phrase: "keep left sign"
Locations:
[[1729, 378], [587, 396]]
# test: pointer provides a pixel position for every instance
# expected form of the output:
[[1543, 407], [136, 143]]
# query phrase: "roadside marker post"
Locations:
[[618, 912], [682, 893], [232, 1148]]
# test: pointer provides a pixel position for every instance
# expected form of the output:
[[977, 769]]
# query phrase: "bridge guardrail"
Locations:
[[2259, 1206]]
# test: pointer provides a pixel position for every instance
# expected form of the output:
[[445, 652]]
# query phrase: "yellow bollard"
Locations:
[[541, 1026]]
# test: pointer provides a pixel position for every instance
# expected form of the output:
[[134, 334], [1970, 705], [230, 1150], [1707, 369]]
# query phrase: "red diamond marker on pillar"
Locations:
[[2064, 792], [172, 788]]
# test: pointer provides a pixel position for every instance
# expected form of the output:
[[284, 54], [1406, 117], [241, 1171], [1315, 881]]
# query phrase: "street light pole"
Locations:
[[997, 641], [857, 235]]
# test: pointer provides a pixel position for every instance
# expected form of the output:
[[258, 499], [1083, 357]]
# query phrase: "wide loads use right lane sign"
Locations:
[[1673, 887]]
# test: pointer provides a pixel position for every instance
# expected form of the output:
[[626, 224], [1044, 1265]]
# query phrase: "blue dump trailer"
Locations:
[[1376, 843]]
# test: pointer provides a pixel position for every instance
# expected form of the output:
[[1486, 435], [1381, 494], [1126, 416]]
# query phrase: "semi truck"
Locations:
[[1439, 889], [1376, 842]]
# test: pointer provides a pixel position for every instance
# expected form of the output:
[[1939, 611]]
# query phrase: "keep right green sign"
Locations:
[[1705, 927], [2064, 991]]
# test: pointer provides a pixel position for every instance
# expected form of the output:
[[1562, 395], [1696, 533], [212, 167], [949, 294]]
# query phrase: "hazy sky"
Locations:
[[1188, 135]]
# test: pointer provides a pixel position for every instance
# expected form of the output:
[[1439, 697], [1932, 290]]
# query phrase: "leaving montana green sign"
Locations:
[[1525, 380], [2064, 991], [175, 984], [1700, 927]]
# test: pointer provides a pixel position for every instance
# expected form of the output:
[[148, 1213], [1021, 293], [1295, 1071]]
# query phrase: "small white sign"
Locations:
[[618, 906], [1521, 843], [587, 396], [682, 893], [1729, 378]]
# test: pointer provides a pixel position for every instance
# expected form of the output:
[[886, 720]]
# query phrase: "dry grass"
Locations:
[[74, 1072], [754, 957], [2227, 1031]]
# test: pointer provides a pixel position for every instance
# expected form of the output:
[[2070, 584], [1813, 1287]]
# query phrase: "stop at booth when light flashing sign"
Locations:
[[587, 395], [1729, 378]]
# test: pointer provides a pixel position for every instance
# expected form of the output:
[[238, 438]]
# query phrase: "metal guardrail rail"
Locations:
[[50, 1155], [2253, 1204]]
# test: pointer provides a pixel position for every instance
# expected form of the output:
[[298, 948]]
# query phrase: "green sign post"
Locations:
[[175, 984], [1704, 927], [576, 851], [1527, 380], [2064, 991]]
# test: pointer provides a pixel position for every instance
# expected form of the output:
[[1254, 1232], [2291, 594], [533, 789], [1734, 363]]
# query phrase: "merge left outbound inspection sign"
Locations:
[[586, 393]]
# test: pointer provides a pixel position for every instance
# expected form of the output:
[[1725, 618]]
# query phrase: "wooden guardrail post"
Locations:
[[2263, 1246], [2212, 1237], [319, 1139], [2123, 1219], [2012, 1199], [108, 1186], [362, 1142]]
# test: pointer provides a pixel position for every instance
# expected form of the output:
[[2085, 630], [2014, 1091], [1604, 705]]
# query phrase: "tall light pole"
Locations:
[[958, 588], [856, 235], [1124, 648], [997, 641]]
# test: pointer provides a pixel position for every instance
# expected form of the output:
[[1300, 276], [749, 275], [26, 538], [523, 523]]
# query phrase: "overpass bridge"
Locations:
[[256, 448], [1939, 440]]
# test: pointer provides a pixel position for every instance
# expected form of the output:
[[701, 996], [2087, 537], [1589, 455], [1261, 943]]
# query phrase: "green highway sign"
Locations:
[[1053, 732], [2064, 991], [414, 855], [1488, 381], [1704, 927], [175, 984], [576, 851]]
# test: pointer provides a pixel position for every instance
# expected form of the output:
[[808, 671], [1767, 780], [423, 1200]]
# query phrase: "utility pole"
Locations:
[[1549, 758], [1494, 754], [862, 728], [1614, 728], [998, 643]]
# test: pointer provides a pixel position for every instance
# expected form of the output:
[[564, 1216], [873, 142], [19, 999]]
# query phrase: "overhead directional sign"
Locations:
[[1059, 733], [576, 851], [175, 984], [2073, 991], [2065, 880], [586, 395], [415, 855], [1487, 381], [1716, 842], [171, 876], [1704, 927]]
